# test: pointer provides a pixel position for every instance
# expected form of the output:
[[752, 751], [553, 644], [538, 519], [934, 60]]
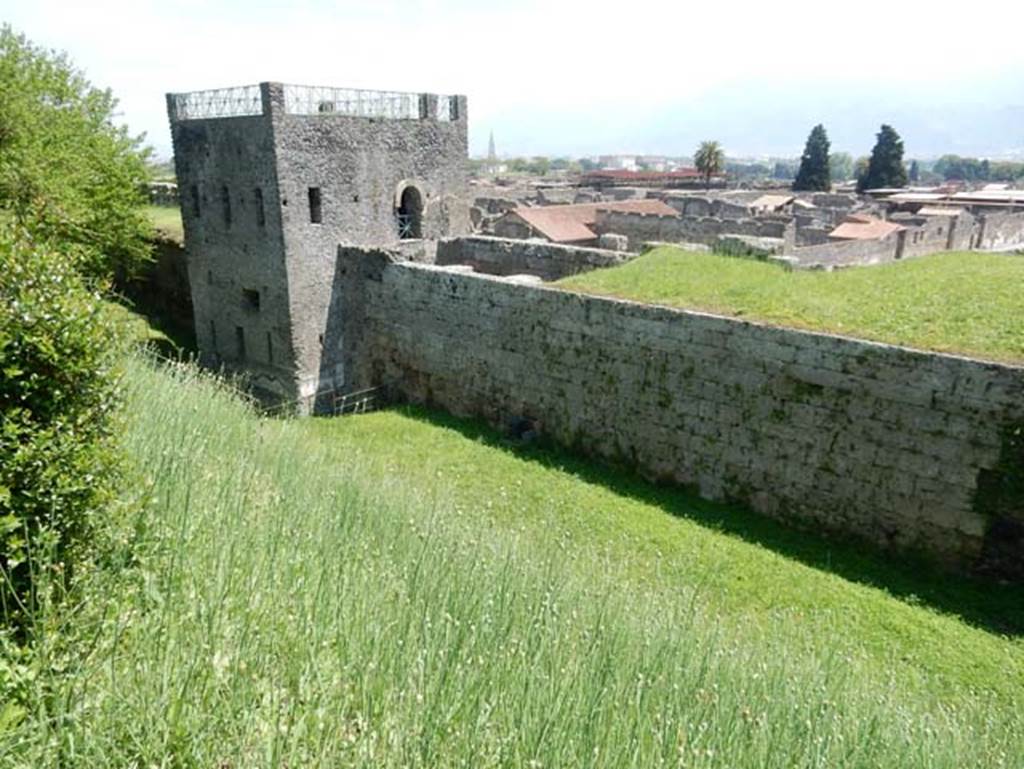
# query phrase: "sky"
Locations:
[[565, 77]]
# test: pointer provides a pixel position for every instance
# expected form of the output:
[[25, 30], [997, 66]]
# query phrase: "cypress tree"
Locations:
[[915, 172], [885, 169], [814, 174]]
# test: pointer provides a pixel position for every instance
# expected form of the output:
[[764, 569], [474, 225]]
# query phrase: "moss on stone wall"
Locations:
[[1000, 497], [1000, 492]]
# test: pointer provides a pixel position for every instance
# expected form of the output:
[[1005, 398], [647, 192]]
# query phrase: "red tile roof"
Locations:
[[861, 227], [570, 224]]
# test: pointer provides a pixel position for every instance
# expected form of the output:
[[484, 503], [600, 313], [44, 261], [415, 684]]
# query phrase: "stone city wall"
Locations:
[[640, 228], [908, 449], [501, 256]]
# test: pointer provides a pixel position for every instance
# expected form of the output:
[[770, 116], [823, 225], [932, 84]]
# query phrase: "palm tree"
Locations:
[[710, 160]]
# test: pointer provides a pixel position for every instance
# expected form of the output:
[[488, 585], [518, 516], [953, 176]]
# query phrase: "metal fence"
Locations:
[[218, 102], [356, 102], [323, 100], [314, 100]]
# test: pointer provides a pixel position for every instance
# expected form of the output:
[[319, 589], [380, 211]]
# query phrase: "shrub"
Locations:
[[58, 387], [68, 174]]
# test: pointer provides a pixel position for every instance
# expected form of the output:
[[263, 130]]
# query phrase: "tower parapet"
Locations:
[[273, 177]]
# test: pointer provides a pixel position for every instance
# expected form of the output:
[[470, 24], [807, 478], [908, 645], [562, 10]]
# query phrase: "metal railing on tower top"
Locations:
[[238, 101], [357, 102], [324, 100], [248, 100]]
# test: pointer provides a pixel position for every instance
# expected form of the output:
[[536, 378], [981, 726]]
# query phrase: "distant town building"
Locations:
[[979, 201], [618, 162], [570, 224], [682, 177]]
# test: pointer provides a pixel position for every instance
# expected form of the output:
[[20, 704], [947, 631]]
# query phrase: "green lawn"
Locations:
[[968, 303], [167, 221], [407, 589]]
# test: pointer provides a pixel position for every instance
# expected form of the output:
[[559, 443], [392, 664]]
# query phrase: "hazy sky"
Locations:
[[583, 77]]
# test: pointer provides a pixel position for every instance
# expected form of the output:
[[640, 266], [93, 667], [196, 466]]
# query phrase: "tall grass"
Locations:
[[276, 608]]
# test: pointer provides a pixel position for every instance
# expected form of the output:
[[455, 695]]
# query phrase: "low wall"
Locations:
[[693, 206], [501, 256], [1000, 231], [639, 227], [938, 233], [922, 236], [904, 448], [812, 236], [843, 253]]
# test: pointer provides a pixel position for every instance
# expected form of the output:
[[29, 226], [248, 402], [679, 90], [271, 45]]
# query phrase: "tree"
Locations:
[[915, 172], [814, 174], [540, 166], [885, 168], [709, 160], [840, 166], [785, 169], [860, 169], [68, 175]]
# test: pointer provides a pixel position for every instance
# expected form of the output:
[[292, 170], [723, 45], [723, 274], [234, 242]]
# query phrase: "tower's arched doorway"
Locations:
[[410, 214]]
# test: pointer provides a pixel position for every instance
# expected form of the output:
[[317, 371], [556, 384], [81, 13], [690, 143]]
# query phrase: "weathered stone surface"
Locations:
[[507, 256], [261, 268], [613, 241], [880, 441]]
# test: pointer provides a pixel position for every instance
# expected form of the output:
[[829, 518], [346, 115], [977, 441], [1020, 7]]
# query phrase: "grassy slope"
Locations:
[[967, 303], [399, 589], [746, 566], [167, 221]]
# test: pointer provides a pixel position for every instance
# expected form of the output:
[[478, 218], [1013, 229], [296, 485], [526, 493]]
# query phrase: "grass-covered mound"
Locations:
[[166, 221], [403, 590], [968, 303]]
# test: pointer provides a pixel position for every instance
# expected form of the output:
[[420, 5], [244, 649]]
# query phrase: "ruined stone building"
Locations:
[[297, 201], [273, 178]]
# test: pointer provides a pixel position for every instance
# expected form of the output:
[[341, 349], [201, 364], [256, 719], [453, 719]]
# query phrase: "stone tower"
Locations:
[[272, 178]]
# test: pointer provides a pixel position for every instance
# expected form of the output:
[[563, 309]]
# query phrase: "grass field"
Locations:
[[167, 221], [969, 303], [404, 589]]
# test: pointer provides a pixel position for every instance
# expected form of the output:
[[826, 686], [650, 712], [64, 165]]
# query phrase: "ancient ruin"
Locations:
[[272, 178], [329, 250]]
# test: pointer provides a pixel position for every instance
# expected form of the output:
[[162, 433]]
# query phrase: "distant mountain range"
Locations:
[[773, 119]]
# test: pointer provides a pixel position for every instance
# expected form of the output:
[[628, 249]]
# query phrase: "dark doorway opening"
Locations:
[[410, 214]]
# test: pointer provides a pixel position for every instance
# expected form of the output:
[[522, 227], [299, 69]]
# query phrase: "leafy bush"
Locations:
[[67, 173], [58, 356]]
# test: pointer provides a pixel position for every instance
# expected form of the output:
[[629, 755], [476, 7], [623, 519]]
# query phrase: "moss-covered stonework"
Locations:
[[880, 441], [1000, 498]]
